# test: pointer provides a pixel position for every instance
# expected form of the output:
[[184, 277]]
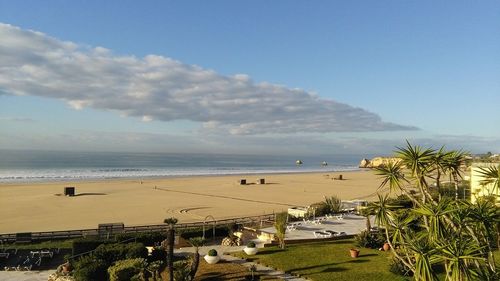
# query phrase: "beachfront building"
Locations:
[[478, 189]]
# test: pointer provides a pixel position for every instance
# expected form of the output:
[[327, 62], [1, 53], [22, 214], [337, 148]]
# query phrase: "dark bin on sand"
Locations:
[[69, 191], [243, 182]]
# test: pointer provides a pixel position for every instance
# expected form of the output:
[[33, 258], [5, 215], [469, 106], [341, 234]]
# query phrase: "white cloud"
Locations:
[[156, 87]]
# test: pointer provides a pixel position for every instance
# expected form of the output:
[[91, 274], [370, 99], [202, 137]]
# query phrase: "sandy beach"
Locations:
[[42, 207]]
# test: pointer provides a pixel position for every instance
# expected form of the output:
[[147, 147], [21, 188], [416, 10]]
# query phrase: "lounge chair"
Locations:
[[4, 255], [321, 234], [333, 233]]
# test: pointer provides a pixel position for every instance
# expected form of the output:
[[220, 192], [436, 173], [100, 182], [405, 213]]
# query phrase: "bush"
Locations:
[[402, 201], [251, 244], [397, 267], [318, 209], [182, 270], [221, 231], [158, 254], [367, 239], [90, 268], [148, 239], [334, 204], [212, 253], [113, 252], [83, 245], [125, 270]]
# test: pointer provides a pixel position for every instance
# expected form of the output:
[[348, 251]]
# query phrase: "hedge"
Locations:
[[148, 238], [129, 269], [84, 245], [113, 252]]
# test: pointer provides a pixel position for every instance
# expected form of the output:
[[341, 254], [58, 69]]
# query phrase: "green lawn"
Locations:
[[63, 244], [328, 261]]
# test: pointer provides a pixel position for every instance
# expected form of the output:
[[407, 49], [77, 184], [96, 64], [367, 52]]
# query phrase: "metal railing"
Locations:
[[78, 233]]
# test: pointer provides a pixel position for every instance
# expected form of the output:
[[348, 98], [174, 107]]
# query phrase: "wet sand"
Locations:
[[42, 207]]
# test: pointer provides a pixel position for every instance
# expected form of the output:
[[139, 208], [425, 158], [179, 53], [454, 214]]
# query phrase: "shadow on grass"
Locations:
[[270, 252], [367, 255], [334, 269], [358, 261], [311, 267]]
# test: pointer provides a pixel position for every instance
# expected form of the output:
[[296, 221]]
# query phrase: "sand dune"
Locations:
[[41, 207]]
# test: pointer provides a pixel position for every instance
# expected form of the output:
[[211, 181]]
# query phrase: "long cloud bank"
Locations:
[[160, 88]]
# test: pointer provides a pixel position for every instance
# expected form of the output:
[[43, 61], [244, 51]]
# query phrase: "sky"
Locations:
[[254, 77]]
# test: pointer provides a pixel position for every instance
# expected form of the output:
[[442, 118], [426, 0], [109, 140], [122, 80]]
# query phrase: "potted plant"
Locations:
[[212, 257], [251, 249], [354, 253]]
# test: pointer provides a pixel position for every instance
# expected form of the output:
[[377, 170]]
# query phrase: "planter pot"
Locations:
[[211, 259], [386, 247], [354, 253], [251, 251]]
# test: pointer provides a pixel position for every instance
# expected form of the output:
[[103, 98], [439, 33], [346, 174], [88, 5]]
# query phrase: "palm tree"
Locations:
[[280, 222], [424, 256], [439, 161], [456, 233], [458, 254], [365, 212], [170, 251], [383, 212], [418, 161], [196, 243], [453, 162], [487, 218], [436, 218]]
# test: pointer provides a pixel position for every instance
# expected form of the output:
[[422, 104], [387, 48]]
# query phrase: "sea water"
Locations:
[[40, 166]]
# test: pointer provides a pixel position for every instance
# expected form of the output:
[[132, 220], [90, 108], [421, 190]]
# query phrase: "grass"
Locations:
[[322, 261], [225, 271], [63, 244], [328, 261]]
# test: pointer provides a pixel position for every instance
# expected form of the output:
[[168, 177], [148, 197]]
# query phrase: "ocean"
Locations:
[[44, 166]]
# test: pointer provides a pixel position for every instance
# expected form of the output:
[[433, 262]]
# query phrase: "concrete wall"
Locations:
[[478, 190]]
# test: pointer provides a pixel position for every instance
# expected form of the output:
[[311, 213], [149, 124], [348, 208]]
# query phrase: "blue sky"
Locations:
[[269, 76]]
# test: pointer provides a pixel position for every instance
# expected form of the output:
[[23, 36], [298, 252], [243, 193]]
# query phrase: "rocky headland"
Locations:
[[378, 162]]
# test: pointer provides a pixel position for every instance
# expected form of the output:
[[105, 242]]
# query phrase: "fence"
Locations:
[[66, 234]]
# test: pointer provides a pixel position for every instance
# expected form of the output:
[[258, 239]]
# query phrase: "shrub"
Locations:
[[212, 253], [182, 270], [83, 245], [148, 239], [367, 239], [158, 254], [334, 204], [220, 230], [318, 209], [113, 252], [397, 267], [251, 244], [90, 268], [125, 270]]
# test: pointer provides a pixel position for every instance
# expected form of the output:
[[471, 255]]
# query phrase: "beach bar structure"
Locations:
[[69, 191]]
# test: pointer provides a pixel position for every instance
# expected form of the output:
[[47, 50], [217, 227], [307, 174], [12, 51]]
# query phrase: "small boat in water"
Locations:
[[298, 162], [324, 163]]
